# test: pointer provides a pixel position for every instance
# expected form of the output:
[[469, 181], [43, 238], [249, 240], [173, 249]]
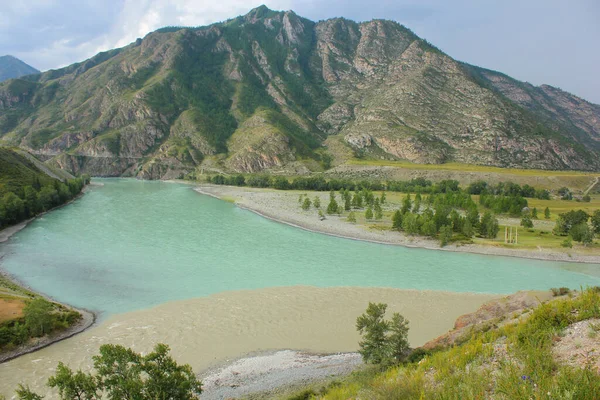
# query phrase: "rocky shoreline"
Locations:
[[281, 206], [273, 372]]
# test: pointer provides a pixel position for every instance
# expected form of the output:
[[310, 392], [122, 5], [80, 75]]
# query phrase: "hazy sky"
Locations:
[[540, 41]]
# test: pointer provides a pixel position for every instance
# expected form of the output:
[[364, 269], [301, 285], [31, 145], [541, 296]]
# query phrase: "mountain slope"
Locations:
[[274, 91], [11, 67]]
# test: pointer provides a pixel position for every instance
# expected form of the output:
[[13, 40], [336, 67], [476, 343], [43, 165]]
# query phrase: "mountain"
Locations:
[[11, 67], [274, 91]]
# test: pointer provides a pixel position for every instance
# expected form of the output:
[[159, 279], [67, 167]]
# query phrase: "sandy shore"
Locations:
[[282, 206], [212, 331]]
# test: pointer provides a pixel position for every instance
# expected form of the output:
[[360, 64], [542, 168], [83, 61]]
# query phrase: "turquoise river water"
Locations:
[[130, 244]]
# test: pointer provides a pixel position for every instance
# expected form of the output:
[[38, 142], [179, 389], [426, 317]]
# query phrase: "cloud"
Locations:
[[541, 41]]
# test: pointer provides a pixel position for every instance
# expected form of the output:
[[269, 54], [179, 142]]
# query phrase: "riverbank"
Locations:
[[283, 207], [9, 286], [212, 331]]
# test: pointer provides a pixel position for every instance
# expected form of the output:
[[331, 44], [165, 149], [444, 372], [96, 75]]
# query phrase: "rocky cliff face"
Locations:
[[274, 91]]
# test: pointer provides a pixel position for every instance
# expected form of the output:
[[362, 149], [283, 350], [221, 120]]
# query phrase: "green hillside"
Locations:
[[192, 99]]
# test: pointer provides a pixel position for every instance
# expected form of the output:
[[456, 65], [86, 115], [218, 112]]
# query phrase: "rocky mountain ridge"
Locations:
[[274, 91]]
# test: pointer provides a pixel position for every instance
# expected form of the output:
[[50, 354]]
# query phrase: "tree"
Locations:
[[74, 385], [547, 213], [122, 374], [397, 220], [378, 210], [306, 204], [488, 227], [383, 342], [347, 201], [534, 213], [417, 203], [369, 213], [38, 318], [410, 224], [582, 233], [406, 204], [596, 222], [352, 217], [586, 198], [565, 193], [467, 228], [357, 200], [428, 228], [445, 235], [567, 220], [332, 207], [317, 202], [383, 197], [24, 393], [526, 221]]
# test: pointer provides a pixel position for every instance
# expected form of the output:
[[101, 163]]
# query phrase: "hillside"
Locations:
[[274, 91], [11, 67], [514, 348], [29, 187]]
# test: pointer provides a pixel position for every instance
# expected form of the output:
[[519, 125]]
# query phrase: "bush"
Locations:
[[560, 291]]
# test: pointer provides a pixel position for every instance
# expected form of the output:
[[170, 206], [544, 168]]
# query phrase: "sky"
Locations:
[[556, 42]]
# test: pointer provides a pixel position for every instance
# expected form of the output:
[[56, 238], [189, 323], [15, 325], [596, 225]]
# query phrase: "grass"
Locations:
[[469, 168], [467, 173], [513, 361]]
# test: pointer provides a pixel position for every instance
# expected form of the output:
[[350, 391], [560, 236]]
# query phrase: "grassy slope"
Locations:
[[502, 360], [17, 171]]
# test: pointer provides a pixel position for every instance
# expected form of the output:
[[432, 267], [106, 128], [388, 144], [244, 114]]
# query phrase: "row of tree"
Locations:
[[508, 189], [33, 199]]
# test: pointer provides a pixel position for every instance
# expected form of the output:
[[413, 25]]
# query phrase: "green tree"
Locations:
[[12, 208], [582, 233], [488, 227], [317, 202], [38, 317], [332, 207], [406, 204], [547, 213], [534, 213], [122, 374], [357, 200], [428, 228], [596, 222], [369, 213], [526, 221], [417, 204], [383, 197], [397, 220], [32, 201], [347, 201], [586, 198], [383, 342], [378, 211], [351, 217], [24, 393], [306, 204], [467, 228], [445, 235], [410, 224], [74, 385]]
